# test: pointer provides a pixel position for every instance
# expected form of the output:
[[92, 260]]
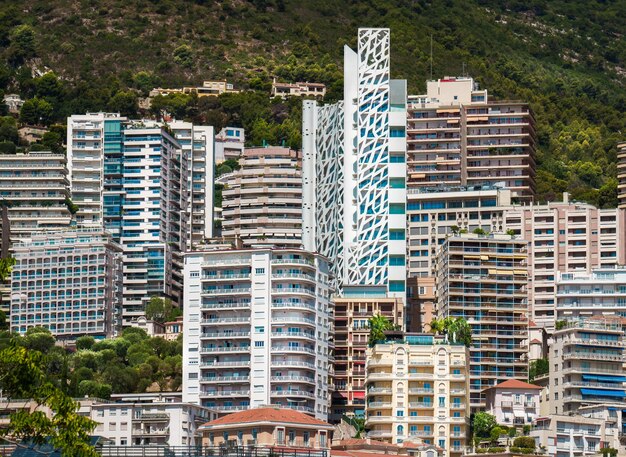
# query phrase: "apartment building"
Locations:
[[418, 389], [229, 144], [621, 174], [151, 419], [586, 365], [435, 213], [132, 177], [483, 279], [513, 402], [613, 418], [565, 237], [457, 136], [270, 427], [207, 89], [570, 436], [197, 143], [422, 300], [352, 312], [366, 133], [258, 330], [34, 188], [580, 295], [68, 282], [88, 137], [262, 201], [299, 89]]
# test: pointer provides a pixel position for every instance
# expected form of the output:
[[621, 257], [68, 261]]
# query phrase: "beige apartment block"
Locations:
[[565, 237], [262, 201], [483, 279], [299, 89], [457, 136], [417, 389], [352, 312]]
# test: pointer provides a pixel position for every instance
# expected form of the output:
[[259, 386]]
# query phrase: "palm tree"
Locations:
[[378, 324], [455, 329]]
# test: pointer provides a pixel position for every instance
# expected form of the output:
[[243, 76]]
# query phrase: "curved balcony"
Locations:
[[225, 393], [224, 320], [234, 364], [293, 291], [296, 349], [296, 379], [293, 320], [244, 349], [229, 379], [225, 335], [293, 363], [292, 393], [298, 335]]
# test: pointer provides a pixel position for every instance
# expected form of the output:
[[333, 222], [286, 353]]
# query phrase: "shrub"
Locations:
[[525, 442]]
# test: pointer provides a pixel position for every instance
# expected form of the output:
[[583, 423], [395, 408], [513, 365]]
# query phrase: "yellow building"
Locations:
[[418, 388]]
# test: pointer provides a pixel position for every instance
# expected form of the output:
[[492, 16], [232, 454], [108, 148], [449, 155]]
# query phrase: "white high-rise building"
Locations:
[[197, 143], [131, 177], [258, 326], [354, 171]]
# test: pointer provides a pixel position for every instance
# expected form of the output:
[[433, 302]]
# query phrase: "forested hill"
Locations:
[[567, 57]]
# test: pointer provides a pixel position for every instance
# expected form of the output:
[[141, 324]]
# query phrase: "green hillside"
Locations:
[[565, 57]]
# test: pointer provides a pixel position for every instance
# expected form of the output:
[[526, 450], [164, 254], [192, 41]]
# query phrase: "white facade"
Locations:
[[229, 143], [197, 143], [569, 436], [370, 207], [132, 177], [85, 161], [257, 330], [599, 293], [34, 187], [149, 420], [68, 282]]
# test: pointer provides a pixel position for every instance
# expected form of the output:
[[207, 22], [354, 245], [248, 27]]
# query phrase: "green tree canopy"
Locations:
[[483, 423], [378, 325]]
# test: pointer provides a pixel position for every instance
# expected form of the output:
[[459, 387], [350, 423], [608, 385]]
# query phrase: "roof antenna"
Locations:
[[463, 72], [431, 56]]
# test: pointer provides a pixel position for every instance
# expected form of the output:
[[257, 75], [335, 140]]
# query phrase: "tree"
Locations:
[[524, 442], [378, 325], [560, 325], [36, 111], [608, 452], [479, 231], [85, 342], [483, 423], [22, 45], [22, 375], [161, 310], [455, 329], [124, 102], [71, 206], [7, 147], [538, 368], [183, 55]]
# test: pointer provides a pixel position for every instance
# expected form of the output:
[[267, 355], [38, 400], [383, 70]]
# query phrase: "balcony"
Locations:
[[225, 379], [293, 349]]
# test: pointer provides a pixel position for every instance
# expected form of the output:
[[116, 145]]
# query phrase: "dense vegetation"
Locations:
[[132, 362], [567, 58]]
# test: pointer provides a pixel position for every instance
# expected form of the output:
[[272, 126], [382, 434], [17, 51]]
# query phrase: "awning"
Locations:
[[358, 394], [484, 257], [518, 413], [612, 408], [448, 110], [520, 272], [604, 393], [599, 377]]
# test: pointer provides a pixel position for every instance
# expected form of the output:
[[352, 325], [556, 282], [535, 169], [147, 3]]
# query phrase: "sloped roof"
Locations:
[[515, 384], [268, 414]]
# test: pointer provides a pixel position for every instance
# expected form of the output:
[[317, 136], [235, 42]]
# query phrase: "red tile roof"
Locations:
[[515, 384], [268, 414], [364, 442]]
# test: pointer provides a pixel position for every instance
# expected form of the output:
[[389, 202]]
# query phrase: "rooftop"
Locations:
[[515, 384], [267, 414]]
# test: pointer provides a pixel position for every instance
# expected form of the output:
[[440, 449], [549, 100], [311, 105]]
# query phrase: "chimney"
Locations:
[[565, 197]]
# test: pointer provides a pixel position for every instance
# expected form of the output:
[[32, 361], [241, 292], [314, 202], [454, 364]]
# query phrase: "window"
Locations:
[[259, 329], [442, 402], [396, 286], [396, 208], [396, 234], [397, 183], [225, 436], [259, 271], [255, 432], [305, 438], [397, 260], [111, 426], [259, 344], [400, 413], [323, 439]]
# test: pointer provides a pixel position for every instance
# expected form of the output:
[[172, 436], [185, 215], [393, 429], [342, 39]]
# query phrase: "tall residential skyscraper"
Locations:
[[483, 279], [262, 201], [137, 189], [197, 143], [457, 136], [356, 150], [258, 329], [68, 282], [621, 174]]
